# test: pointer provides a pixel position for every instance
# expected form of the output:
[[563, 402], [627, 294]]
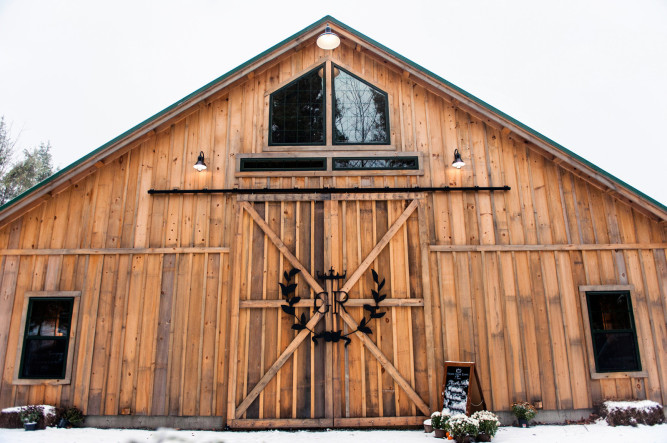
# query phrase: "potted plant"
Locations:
[[436, 423], [524, 412], [488, 425], [444, 418], [428, 426], [439, 422], [462, 428], [71, 417], [30, 415]]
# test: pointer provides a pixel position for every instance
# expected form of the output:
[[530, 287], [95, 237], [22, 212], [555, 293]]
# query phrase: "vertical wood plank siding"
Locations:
[[154, 328]]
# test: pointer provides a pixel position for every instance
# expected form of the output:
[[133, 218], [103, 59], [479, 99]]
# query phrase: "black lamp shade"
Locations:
[[200, 165], [458, 161]]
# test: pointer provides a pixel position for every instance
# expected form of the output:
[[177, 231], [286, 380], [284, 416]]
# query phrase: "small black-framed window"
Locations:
[[360, 111], [297, 111], [612, 331], [46, 338], [375, 163], [283, 164]]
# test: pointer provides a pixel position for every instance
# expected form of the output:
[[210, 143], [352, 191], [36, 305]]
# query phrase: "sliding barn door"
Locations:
[[339, 366]]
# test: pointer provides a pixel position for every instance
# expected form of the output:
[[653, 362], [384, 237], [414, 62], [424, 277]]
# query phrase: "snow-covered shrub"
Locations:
[[11, 417], [461, 426], [10, 420], [31, 414], [488, 422], [631, 413], [524, 410]]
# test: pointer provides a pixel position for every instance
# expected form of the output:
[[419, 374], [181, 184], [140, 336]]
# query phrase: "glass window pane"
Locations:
[[46, 341], [613, 331], [378, 163], [297, 111], [616, 351], [609, 311], [360, 111], [283, 164], [49, 318], [44, 358]]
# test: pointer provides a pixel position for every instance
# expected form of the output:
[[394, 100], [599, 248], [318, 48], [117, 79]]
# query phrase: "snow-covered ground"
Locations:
[[597, 433]]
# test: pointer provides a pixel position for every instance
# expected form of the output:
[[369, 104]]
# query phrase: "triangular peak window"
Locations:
[[357, 112], [360, 111], [297, 111]]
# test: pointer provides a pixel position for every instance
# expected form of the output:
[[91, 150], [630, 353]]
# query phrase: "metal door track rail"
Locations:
[[326, 190]]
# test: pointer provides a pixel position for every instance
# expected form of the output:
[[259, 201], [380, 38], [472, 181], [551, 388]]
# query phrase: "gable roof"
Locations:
[[558, 151]]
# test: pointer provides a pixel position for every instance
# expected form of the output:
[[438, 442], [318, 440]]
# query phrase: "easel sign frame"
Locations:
[[457, 379]]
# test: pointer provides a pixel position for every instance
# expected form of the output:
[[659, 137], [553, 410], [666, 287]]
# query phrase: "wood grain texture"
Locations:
[[180, 304]]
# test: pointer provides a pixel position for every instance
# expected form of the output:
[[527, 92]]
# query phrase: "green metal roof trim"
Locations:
[[347, 28], [496, 111], [164, 111]]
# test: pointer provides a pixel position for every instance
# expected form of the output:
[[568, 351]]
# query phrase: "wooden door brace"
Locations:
[[301, 336]]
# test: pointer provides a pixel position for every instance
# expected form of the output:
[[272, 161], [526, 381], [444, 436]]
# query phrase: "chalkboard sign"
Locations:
[[456, 388]]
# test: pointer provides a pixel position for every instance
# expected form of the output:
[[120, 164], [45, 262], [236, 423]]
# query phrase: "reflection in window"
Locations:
[[297, 111], [360, 111], [377, 163], [613, 332], [46, 338]]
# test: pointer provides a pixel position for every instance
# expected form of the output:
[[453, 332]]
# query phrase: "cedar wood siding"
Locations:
[[154, 325]]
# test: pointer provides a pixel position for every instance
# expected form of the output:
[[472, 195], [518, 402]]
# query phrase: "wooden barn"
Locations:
[[359, 222]]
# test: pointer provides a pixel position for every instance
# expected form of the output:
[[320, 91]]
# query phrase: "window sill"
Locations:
[[42, 381], [612, 375]]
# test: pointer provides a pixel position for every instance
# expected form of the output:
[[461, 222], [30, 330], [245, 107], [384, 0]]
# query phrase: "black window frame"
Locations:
[[278, 160], [389, 158], [322, 67], [333, 106], [27, 338], [71, 346], [329, 113], [595, 332]]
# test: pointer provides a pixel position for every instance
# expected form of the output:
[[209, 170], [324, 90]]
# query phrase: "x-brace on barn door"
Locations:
[[282, 375]]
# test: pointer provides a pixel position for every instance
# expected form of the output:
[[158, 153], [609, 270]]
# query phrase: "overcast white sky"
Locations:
[[591, 75]]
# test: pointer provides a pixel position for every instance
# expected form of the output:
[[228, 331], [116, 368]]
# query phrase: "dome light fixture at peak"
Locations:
[[458, 161], [328, 40], [200, 165]]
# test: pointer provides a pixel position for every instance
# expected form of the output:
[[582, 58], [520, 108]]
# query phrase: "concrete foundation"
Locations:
[[548, 416], [154, 422]]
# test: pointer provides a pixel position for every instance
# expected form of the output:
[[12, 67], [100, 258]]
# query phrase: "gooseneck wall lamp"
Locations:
[[200, 165], [328, 40], [458, 161]]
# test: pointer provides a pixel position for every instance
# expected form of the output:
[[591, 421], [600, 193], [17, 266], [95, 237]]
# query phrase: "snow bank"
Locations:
[[48, 409], [631, 413], [597, 433], [643, 405]]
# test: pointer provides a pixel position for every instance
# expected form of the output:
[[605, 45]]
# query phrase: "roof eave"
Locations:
[[55, 181], [479, 105], [556, 150]]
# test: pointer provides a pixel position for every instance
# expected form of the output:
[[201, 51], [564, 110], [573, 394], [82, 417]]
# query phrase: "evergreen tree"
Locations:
[[17, 178], [6, 147]]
